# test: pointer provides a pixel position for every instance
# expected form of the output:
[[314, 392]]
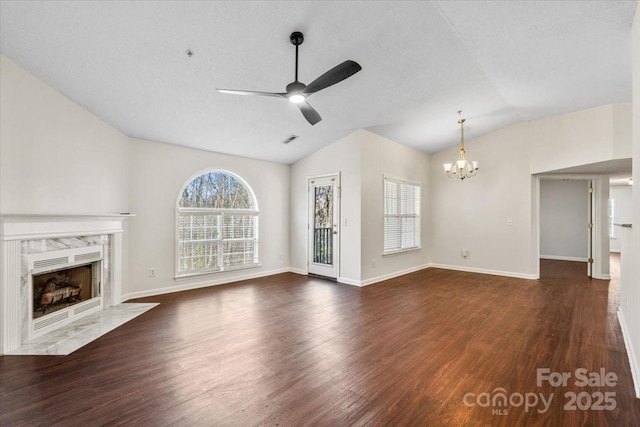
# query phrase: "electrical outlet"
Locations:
[[373, 263], [465, 253], [509, 222], [152, 272]]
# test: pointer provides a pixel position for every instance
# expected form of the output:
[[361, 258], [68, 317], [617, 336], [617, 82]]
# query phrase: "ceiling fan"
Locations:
[[298, 92]]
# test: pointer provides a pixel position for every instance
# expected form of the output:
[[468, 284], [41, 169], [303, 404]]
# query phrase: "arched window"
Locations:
[[217, 224]]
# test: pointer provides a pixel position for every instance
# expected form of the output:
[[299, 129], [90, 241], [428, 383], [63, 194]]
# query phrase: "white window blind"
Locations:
[[401, 215], [217, 225]]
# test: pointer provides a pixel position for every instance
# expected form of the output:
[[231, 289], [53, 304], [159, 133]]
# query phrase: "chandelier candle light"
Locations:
[[461, 169]]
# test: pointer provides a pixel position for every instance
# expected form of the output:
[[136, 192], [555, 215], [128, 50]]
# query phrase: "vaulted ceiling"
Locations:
[[501, 62]]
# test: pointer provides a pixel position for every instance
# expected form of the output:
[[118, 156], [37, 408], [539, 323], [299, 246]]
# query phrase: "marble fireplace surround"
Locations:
[[22, 235]]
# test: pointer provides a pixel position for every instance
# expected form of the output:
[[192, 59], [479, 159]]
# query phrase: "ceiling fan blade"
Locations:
[[251, 92], [309, 113], [333, 76]]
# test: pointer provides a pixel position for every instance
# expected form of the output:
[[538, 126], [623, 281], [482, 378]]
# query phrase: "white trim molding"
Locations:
[[382, 277], [201, 284], [487, 271], [347, 281], [35, 226], [633, 359], [564, 258]]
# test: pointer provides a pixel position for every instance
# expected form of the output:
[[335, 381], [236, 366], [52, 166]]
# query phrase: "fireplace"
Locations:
[[64, 284], [55, 269]]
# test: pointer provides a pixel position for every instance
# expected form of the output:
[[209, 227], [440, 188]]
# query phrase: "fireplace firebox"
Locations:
[[63, 288], [64, 284]]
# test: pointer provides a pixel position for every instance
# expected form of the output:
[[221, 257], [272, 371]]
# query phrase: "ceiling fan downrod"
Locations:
[[296, 38]]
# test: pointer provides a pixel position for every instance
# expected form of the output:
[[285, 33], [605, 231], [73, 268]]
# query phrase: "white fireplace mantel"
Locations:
[[34, 226], [18, 228]]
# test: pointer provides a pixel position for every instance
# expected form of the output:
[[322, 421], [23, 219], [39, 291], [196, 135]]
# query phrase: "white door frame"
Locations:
[[591, 218], [599, 253], [334, 272]]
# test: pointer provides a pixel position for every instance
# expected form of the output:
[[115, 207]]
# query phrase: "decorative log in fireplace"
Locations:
[[60, 289]]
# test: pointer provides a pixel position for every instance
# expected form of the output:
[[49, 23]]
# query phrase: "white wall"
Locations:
[[622, 213], [579, 138], [362, 158], [342, 156], [564, 214], [630, 279], [474, 214], [382, 156], [55, 156], [158, 172], [622, 131]]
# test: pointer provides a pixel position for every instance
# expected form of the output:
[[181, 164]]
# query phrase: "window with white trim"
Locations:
[[217, 225], [401, 215]]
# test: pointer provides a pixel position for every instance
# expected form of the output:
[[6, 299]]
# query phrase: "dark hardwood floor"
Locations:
[[288, 350]]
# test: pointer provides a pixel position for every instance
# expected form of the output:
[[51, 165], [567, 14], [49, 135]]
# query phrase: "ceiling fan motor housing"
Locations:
[[295, 87]]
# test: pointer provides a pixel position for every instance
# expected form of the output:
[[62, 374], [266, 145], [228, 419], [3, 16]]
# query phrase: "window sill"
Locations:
[[402, 251], [215, 272]]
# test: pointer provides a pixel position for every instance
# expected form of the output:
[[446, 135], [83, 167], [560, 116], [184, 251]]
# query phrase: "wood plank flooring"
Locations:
[[289, 350]]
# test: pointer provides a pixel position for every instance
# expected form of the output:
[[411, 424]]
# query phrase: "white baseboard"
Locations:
[[486, 271], [633, 360], [347, 281], [388, 276], [563, 258], [202, 284], [298, 271], [381, 278], [371, 281]]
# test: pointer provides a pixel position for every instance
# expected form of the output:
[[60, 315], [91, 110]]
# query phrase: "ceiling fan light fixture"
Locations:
[[296, 98]]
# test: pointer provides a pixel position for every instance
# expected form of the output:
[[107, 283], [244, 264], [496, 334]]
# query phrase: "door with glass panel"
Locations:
[[323, 224]]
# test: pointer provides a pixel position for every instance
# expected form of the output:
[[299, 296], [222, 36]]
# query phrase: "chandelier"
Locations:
[[461, 169]]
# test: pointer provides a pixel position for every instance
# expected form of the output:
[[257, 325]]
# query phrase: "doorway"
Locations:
[[566, 226], [324, 218]]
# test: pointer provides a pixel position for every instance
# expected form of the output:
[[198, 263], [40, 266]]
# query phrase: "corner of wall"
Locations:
[[630, 287], [622, 125]]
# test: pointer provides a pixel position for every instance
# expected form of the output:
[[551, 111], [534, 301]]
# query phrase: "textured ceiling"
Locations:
[[500, 62]]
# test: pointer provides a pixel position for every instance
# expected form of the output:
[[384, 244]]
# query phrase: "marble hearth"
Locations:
[[42, 237]]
